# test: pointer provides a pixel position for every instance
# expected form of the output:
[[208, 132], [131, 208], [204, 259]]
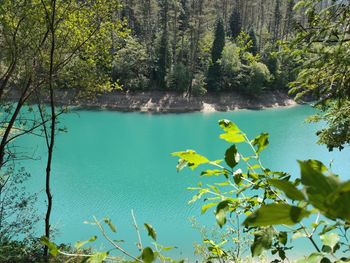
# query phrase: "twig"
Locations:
[[139, 245], [113, 243]]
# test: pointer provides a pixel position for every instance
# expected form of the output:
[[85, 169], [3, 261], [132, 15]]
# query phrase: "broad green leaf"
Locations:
[[261, 141], [207, 206], [221, 211], [283, 237], [229, 126], [147, 255], [80, 244], [110, 224], [192, 158], [98, 257], [338, 202], [325, 193], [233, 137], [262, 241], [288, 188], [53, 249], [329, 240], [232, 156], [276, 214], [151, 232], [318, 186]]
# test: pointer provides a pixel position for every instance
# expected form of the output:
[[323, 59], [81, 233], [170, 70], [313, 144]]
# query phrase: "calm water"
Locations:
[[109, 163]]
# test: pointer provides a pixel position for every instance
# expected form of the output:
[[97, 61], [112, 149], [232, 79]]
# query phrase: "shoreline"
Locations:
[[168, 101]]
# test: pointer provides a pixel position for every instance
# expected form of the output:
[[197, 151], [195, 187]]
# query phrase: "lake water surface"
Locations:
[[109, 163]]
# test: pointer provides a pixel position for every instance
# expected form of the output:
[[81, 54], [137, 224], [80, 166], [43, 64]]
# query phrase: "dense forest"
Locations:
[[192, 47], [200, 46]]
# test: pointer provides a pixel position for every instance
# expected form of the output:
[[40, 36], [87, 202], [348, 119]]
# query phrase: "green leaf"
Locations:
[[53, 249], [206, 207], [212, 172], [262, 141], [147, 255], [325, 193], [221, 211], [151, 232], [232, 156], [80, 244], [276, 214], [288, 188], [110, 224], [329, 241], [233, 133], [229, 126], [283, 237], [233, 137], [192, 158], [98, 257], [262, 241]]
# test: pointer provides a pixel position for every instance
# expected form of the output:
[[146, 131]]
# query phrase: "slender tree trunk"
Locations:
[[52, 129]]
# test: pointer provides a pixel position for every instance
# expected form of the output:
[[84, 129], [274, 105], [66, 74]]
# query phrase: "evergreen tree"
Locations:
[[254, 45], [235, 24], [163, 48], [277, 21], [219, 41], [184, 17], [214, 71]]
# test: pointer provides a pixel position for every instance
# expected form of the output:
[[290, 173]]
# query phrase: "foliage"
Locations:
[[178, 77], [131, 66], [107, 228], [198, 85], [267, 201], [254, 43], [231, 66], [322, 49], [214, 71], [235, 24], [17, 214]]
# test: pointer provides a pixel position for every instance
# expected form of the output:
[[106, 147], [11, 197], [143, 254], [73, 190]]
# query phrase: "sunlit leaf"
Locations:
[[261, 141], [80, 244], [151, 232], [192, 158], [53, 249], [110, 224], [276, 214], [147, 255], [288, 188], [98, 257]]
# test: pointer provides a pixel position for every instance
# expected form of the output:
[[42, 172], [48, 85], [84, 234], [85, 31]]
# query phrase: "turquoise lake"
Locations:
[[109, 163]]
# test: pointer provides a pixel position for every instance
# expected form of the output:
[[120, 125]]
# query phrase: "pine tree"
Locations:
[[214, 71], [254, 45], [219, 41], [184, 17], [163, 48], [277, 21], [235, 24]]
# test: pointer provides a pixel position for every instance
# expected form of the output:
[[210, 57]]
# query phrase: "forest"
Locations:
[[192, 48]]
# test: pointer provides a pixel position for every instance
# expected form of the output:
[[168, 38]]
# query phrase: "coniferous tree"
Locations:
[[219, 41], [163, 48], [214, 71], [235, 23], [254, 45], [277, 17]]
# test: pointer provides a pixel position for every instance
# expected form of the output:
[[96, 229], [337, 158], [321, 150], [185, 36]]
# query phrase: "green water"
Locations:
[[109, 163]]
